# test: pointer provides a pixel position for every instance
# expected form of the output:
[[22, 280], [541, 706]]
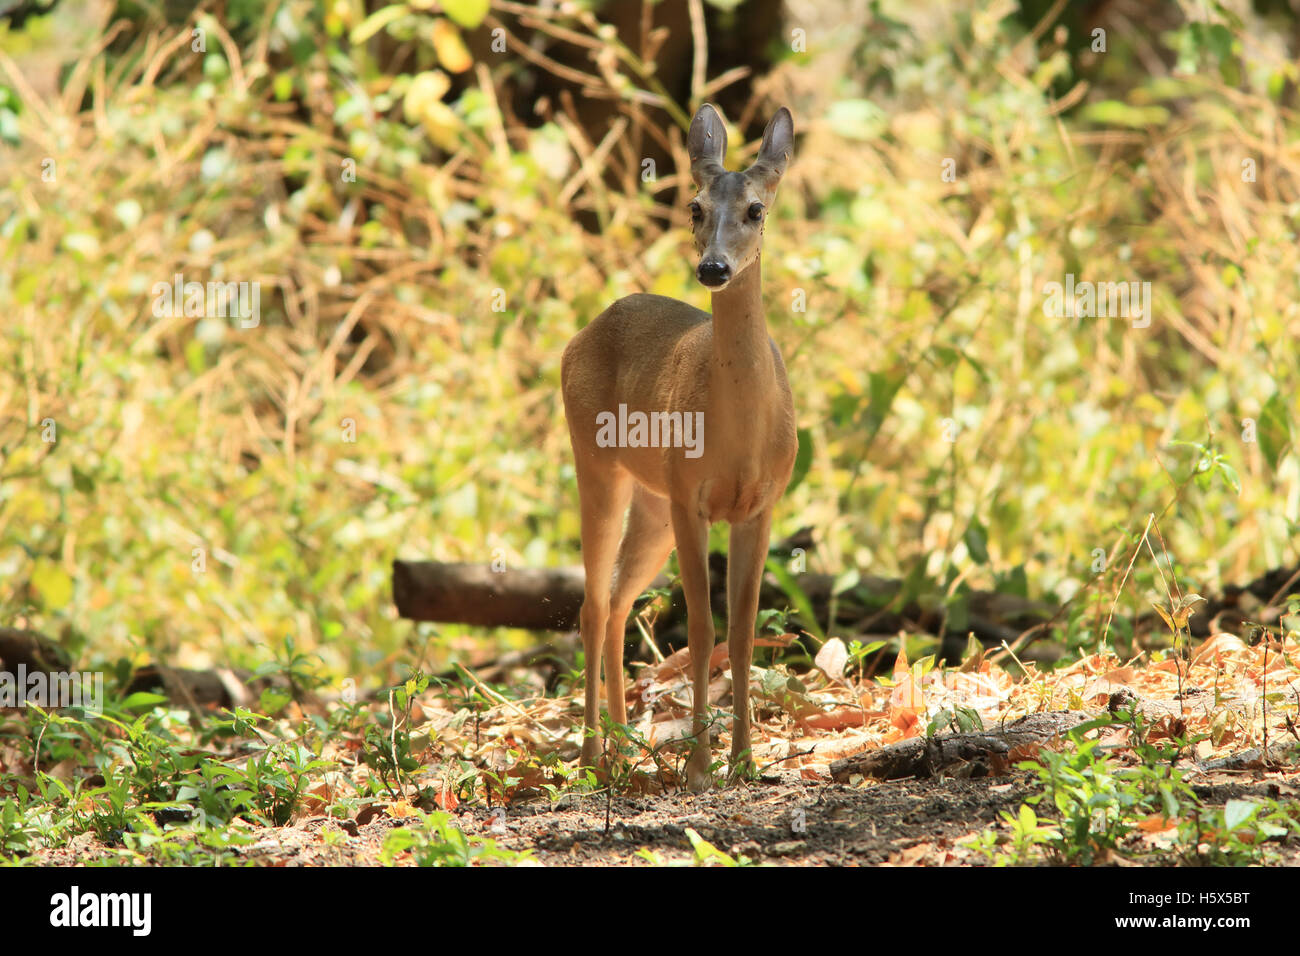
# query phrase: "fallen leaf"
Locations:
[[1217, 646], [841, 717], [678, 661], [1157, 823], [316, 799], [446, 798], [400, 809], [912, 856], [906, 699], [832, 658]]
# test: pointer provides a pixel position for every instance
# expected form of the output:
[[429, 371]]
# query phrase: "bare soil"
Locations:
[[781, 821]]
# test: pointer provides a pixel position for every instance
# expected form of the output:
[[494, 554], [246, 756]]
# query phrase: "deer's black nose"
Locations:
[[713, 273]]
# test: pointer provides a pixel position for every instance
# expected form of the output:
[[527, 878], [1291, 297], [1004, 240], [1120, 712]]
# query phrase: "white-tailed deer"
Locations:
[[689, 418]]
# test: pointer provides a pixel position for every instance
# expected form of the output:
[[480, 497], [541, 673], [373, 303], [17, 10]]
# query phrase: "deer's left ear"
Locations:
[[778, 146]]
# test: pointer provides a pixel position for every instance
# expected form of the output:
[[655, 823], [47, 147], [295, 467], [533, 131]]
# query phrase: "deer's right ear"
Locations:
[[778, 146], [707, 144]]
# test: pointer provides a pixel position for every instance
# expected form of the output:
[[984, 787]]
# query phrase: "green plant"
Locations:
[[388, 752], [438, 841], [957, 719], [704, 853], [17, 831], [1236, 834]]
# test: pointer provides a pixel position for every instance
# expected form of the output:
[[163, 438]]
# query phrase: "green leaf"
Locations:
[[959, 610], [977, 540], [1014, 582], [82, 481], [1218, 40], [52, 584], [844, 407], [1229, 475], [845, 580], [704, 850], [82, 243], [272, 700], [1273, 431], [859, 120], [1237, 812], [979, 369], [884, 386], [947, 357], [770, 618], [802, 459], [796, 595], [142, 699], [381, 18], [1115, 113], [466, 13], [1277, 85]]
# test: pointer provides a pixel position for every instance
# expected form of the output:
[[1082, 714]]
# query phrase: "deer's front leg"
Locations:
[[748, 555], [692, 535]]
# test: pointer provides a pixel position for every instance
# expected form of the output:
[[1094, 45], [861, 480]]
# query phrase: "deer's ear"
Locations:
[[778, 146], [707, 144]]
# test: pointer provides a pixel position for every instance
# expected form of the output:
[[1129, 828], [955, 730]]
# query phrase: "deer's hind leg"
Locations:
[[645, 547], [603, 496]]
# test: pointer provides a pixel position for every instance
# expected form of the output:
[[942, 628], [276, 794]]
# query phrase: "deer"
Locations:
[[670, 362]]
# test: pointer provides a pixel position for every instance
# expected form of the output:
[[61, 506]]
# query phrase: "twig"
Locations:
[[499, 698], [700, 55], [800, 753], [1284, 588], [1106, 631]]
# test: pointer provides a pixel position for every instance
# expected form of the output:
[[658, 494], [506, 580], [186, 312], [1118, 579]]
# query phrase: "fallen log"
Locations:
[[978, 753], [549, 599], [197, 689], [539, 599], [33, 650]]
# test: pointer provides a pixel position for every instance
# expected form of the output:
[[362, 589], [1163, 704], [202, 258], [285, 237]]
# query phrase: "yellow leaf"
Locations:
[[451, 49], [425, 87], [53, 584], [423, 105]]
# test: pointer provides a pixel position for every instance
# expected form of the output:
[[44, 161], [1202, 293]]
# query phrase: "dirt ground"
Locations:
[[801, 812], [780, 820]]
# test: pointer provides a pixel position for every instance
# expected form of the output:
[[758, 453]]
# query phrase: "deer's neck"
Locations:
[[742, 368]]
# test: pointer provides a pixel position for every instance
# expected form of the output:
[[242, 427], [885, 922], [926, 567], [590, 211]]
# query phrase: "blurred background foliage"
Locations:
[[435, 195]]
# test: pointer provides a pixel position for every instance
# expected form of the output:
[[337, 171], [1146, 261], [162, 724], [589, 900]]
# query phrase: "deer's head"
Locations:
[[728, 212]]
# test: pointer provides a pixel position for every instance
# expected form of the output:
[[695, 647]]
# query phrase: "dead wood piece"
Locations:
[[539, 599], [34, 651], [549, 598], [191, 688], [976, 753], [1279, 755]]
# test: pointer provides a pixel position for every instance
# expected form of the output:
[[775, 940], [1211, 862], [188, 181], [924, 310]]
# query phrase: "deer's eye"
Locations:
[[756, 211], [696, 212]]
